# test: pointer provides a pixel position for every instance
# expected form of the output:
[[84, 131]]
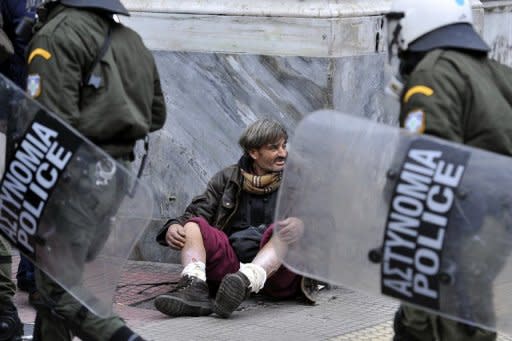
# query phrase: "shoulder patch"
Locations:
[[418, 89], [34, 85], [415, 121], [39, 52]]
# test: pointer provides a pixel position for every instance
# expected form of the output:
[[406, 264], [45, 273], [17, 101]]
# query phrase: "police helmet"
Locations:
[[420, 26]]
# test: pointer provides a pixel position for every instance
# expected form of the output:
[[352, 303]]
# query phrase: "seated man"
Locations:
[[223, 234]]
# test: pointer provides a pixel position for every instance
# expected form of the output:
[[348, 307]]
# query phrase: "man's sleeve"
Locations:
[[158, 110], [54, 75], [204, 205], [433, 103]]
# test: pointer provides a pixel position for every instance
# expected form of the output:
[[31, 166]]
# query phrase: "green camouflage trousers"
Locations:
[[7, 286], [428, 327], [478, 295], [68, 317], [83, 214]]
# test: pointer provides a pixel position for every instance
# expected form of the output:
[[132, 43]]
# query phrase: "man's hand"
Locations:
[[175, 236], [290, 229]]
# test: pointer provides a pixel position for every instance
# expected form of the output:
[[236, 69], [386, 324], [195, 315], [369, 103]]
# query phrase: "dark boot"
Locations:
[[233, 290], [401, 332], [189, 298], [11, 328]]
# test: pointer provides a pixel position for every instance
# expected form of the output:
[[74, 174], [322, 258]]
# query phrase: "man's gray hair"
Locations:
[[262, 132]]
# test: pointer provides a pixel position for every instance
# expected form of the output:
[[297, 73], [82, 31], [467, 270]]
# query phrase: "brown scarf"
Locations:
[[263, 184]]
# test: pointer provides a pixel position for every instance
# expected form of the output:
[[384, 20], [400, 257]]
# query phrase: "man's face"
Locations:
[[270, 157]]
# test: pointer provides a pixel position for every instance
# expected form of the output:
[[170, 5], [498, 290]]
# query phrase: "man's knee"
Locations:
[[191, 226], [194, 232]]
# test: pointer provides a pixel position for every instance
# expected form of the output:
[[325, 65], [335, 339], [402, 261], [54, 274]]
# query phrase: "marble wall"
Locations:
[[211, 98], [498, 31]]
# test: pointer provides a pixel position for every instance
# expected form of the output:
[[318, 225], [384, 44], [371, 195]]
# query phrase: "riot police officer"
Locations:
[[11, 327], [98, 76], [16, 16], [447, 88]]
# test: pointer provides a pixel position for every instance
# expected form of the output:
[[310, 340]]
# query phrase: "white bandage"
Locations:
[[256, 275], [195, 269]]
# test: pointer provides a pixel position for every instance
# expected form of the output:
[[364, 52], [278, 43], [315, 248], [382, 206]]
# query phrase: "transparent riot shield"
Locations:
[[413, 217], [64, 203]]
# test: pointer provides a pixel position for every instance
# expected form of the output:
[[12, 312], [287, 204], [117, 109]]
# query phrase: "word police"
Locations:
[[418, 220], [29, 180]]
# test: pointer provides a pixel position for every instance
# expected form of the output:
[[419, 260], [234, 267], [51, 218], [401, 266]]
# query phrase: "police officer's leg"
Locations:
[[62, 316], [456, 331], [7, 287], [412, 324], [477, 297], [478, 300], [84, 224], [477, 291], [48, 325], [10, 324]]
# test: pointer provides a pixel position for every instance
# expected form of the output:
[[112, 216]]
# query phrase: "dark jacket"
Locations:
[[218, 203], [226, 206], [224, 201], [123, 103], [464, 98]]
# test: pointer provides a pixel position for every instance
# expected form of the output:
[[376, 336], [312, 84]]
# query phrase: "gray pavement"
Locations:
[[340, 314]]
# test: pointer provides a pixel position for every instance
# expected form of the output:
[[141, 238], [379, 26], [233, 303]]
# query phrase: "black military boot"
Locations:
[[189, 298], [11, 328], [233, 290]]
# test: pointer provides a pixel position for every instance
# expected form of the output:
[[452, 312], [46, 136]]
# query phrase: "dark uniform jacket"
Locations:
[[124, 101], [462, 98]]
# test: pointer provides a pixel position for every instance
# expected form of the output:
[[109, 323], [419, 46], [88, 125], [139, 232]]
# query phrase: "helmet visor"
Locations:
[[458, 36]]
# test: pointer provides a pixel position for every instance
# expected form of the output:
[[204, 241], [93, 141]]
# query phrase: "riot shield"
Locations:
[[65, 204], [413, 217]]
